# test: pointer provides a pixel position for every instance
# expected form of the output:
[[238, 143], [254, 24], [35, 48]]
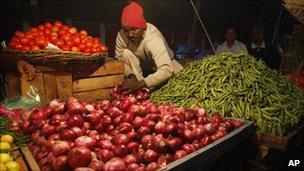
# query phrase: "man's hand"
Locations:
[[25, 69], [131, 84]]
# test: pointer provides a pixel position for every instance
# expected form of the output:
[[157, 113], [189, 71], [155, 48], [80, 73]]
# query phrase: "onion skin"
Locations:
[[60, 163], [115, 164], [79, 157]]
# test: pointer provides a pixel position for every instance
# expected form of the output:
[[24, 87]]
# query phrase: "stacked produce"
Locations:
[[64, 37], [237, 85], [9, 141], [124, 133], [297, 77]]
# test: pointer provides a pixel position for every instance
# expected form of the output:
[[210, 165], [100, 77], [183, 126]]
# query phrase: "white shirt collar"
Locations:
[[253, 45], [234, 43]]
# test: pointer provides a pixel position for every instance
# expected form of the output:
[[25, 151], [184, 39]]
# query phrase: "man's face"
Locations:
[[135, 35], [230, 34], [257, 34]]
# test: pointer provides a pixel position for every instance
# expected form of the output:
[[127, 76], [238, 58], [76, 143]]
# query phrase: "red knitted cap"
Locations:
[[133, 16]]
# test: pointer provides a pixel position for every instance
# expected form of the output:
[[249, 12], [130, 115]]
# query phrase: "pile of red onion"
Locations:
[[127, 132]]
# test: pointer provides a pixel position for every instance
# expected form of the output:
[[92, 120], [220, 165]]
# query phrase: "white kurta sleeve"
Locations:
[[119, 48], [160, 54]]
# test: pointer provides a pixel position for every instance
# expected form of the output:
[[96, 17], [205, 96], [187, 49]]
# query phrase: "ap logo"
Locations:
[[293, 163]]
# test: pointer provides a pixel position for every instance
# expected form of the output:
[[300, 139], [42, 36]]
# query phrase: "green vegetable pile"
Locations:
[[240, 86], [19, 139]]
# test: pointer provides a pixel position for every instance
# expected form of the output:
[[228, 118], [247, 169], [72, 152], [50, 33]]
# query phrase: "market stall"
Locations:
[[72, 116]]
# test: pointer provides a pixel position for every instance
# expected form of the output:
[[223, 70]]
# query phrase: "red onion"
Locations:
[[56, 119], [137, 110], [54, 137], [129, 159], [120, 151], [237, 123], [198, 132], [60, 163], [89, 108], [132, 135], [201, 112], [48, 130], [75, 108], [175, 144], [127, 117], [189, 148], [50, 157], [115, 164], [152, 166], [132, 167], [150, 156], [137, 122], [114, 112], [210, 128], [79, 157], [165, 159], [153, 116], [117, 120], [105, 144], [106, 121], [160, 144], [188, 135], [202, 120], [94, 117], [124, 128], [216, 118], [143, 130], [85, 141], [126, 104], [96, 164], [105, 104], [74, 120], [60, 148], [179, 154], [38, 114], [121, 139], [133, 146], [105, 155], [206, 140], [159, 127]]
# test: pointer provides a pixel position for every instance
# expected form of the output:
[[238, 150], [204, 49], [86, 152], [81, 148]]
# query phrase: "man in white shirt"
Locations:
[[148, 60], [231, 44]]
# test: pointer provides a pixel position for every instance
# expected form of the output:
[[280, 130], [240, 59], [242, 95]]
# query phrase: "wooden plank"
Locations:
[[99, 94], [17, 155], [38, 84], [13, 86], [25, 86], [111, 67], [30, 159], [64, 85], [96, 83], [50, 86], [202, 158]]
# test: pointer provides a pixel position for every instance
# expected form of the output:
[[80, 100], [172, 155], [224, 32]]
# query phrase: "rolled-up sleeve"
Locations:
[[162, 60]]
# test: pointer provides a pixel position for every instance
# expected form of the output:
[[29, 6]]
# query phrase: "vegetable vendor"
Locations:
[[148, 61]]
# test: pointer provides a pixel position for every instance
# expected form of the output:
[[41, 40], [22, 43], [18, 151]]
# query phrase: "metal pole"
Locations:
[[202, 24], [277, 26]]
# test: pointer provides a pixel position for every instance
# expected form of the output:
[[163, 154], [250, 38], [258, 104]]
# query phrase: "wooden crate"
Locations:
[[25, 159], [91, 84]]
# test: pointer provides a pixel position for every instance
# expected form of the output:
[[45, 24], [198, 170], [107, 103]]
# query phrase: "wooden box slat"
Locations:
[[99, 94], [12, 86], [50, 85], [96, 83], [30, 159], [64, 85]]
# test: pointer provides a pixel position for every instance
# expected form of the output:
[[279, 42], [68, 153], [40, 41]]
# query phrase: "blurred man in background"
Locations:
[[260, 50], [231, 44]]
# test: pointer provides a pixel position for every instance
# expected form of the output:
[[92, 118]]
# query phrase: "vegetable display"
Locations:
[[237, 85], [64, 37], [7, 162], [127, 132]]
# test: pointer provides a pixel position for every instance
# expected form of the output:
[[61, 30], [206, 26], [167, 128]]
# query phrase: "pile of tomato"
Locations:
[[297, 77], [64, 37]]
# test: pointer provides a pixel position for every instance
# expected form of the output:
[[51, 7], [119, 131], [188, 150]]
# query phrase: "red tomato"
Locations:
[[48, 25], [33, 29], [11, 44], [35, 48], [76, 40], [40, 27], [81, 47], [32, 42], [65, 27], [73, 30], [40, 33], [41, 42], [19, 34], [65, 48], [65, 37], [96, 40], [62, 32], [53, 39], [83, 32], [69, 43], [17, 46], [88, 44], [25, 48], [59, 43], [55, 29], [104, 48], [47, 31], [87, 50], [96, 45], [54, 34], [24, 40], [58, 24], [94, 50], [75, 49], [30, 36], [82, 36]]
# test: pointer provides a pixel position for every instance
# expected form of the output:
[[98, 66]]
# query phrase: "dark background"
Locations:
[[173, 17]]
